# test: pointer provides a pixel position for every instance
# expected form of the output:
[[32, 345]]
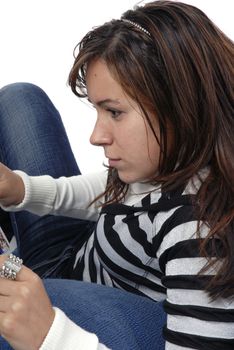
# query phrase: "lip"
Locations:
[[113, 162]]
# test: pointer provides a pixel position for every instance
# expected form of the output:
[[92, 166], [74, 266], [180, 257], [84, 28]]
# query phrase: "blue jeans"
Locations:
[[33, 139]]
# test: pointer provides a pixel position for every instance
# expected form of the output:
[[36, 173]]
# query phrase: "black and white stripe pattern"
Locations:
[[151, 249]]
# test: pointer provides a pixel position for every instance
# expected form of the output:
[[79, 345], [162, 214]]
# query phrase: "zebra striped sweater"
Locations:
[[146, 245]]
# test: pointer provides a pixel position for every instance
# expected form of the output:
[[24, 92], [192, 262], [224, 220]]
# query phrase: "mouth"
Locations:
[[113, 162]]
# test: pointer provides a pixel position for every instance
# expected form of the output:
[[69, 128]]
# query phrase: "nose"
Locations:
[[101, 135]]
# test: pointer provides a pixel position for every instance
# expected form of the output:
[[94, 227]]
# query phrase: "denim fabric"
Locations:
[[33, 139], [122, 321]]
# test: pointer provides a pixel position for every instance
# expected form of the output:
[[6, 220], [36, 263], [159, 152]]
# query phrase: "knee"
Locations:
[[19, 91], [24, 103]]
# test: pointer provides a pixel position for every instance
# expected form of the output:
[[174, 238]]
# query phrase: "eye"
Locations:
[[114, 113]]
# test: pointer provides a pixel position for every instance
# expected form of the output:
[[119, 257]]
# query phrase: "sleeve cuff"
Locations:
[[40, 192], [65, 334]]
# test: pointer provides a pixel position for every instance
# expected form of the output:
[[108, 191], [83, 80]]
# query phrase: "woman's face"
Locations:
[[121, 129]]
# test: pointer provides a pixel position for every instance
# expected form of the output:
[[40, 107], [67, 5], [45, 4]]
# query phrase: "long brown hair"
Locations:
[[183, 74]]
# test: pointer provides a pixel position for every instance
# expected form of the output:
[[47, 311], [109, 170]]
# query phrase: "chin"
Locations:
[[128, 178]]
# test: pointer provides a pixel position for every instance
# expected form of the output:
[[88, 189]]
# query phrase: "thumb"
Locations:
[[11, 187], [3, 169]]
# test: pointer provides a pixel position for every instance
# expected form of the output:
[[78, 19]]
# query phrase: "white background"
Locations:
[[37, 42]]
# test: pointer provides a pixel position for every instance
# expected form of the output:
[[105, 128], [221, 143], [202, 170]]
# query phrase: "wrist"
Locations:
[[20, 190]]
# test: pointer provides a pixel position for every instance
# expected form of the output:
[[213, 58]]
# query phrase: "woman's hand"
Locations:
[[26, 313], [11, 187]]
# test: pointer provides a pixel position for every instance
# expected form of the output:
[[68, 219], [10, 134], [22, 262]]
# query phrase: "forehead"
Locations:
[[103, 87], [100, 82]]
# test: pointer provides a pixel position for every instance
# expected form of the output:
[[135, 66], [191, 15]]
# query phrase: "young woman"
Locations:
[[161, 80]]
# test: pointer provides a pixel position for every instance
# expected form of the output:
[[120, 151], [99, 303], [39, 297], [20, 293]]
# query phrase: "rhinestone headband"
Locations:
[[137, 26]]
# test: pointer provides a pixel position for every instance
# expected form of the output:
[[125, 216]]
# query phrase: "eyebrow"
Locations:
[[103, 102]]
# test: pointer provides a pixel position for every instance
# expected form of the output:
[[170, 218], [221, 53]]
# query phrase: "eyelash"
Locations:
[[114, 114]]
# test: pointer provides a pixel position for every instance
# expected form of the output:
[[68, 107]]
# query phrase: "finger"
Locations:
[[24, 274], [24, 279], [5, 285], [3, 257], [3, 167], [10, 328], [8, 287], [5, 303], [10, 266], [12, 304]]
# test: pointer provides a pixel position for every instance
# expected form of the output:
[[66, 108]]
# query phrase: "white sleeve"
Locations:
[[67, 196], [64, 334]]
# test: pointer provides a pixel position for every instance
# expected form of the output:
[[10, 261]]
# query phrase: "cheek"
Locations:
[[153, 145], [127, 138], [154, 148], [150, 154]]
